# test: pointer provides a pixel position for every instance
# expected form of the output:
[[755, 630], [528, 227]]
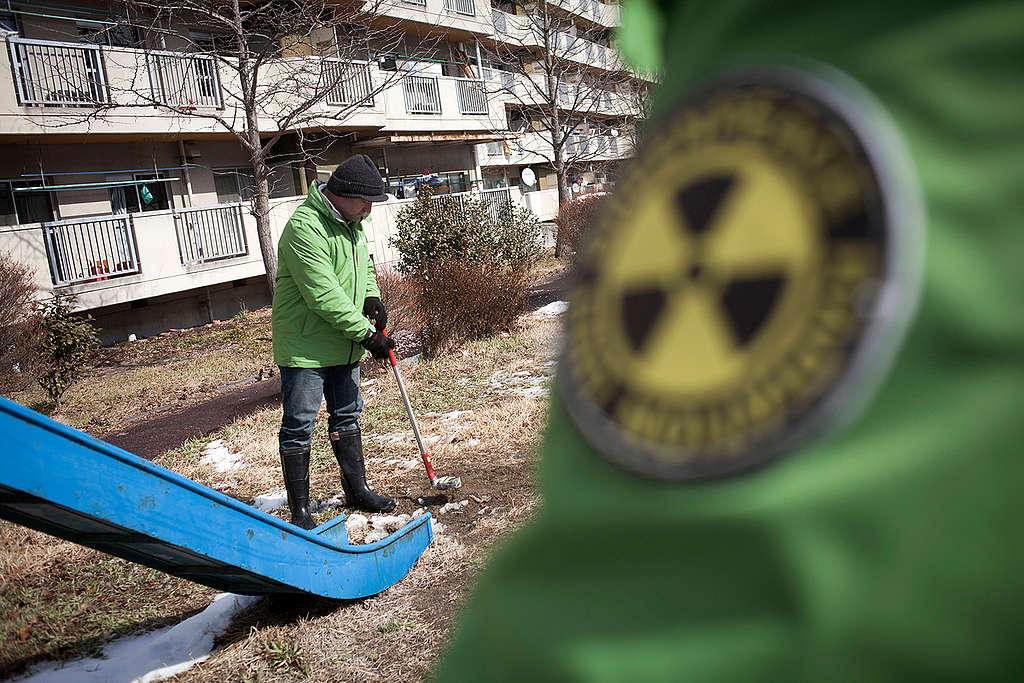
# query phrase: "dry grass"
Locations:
[[67, 600], [187, 366]]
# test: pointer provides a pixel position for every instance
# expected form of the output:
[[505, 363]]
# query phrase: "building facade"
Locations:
[[121, 181]]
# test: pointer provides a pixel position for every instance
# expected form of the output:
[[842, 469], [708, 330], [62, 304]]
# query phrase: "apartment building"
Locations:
[[121, 183]]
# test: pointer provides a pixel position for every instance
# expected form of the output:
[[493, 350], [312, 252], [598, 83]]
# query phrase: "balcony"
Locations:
[[352, 82], [534, 148], [472, 99], [90, 249], [461, 6], [421, 95], [210, 233], [58, 74], [182, 80]]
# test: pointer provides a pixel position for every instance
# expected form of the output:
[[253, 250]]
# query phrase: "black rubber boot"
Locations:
[[295, 465], [348, 449]]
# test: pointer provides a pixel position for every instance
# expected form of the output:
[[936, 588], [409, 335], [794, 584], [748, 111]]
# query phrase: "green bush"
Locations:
[[67, 337], [442, 227]]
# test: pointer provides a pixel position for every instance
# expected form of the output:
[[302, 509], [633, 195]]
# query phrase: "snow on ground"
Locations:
[[273, 500], [220, 457], [151, 656], [521, 383], [553, 308]]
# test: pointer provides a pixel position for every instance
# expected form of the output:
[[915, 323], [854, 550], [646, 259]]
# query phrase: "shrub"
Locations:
[[20, 331], [67, 337], [441, 227], [399, 295], [462, 300], [469, 264], [575, 219]]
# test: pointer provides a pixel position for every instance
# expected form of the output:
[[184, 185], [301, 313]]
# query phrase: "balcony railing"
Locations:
[[90, 249], [421, 95], [460, 6], [495, 149], [183, 80], [210, 233], [472, 99], [58, 74], [351, 81]]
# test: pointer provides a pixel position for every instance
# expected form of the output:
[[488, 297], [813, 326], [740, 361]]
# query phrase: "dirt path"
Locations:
[[166, 428]]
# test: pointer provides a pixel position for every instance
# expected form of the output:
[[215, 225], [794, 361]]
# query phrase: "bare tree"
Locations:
[[562, 82], [257, 70]]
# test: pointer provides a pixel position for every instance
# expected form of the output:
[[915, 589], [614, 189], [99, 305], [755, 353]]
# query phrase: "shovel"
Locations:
[[437, 482]]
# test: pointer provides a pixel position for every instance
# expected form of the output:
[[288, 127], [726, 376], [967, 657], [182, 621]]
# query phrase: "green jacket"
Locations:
[[324, 273], [889, 551]]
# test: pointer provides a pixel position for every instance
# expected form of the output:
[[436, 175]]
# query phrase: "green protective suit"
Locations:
[[324, 273], [889, 550]]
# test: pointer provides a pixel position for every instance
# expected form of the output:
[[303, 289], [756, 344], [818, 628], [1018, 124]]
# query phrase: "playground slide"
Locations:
[[66, 483]]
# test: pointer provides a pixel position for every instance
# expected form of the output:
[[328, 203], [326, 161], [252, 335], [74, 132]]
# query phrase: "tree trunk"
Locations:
[[262, 214], [563, 196]]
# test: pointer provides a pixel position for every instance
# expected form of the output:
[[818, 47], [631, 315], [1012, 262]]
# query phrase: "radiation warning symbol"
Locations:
[[732, 287]]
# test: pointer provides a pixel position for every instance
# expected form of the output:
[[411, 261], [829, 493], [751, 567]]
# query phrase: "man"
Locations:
[[325, 291], [742, 299]]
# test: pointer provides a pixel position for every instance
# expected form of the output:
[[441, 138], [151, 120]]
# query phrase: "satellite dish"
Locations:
[[614, 132], [528, 176]]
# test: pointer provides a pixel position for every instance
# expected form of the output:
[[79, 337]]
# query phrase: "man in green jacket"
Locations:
[[762, 461], [326, 290]]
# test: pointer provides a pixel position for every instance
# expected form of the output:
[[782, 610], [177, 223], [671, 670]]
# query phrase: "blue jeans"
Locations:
[[301, 392]]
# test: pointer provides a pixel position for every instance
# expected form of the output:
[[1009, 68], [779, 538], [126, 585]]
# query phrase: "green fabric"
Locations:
[[324, 273], [888, 552]]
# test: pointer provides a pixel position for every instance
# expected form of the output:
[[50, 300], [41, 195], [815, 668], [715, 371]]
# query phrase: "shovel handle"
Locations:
[[412, 418]]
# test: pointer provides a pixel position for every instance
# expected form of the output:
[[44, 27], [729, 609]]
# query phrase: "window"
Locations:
[[139, 196], [25, 207], [233, 185], [8, 21], [105, 33]]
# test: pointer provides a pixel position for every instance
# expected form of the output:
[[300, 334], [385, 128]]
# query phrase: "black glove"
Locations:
[[375, 311], [378, 344]]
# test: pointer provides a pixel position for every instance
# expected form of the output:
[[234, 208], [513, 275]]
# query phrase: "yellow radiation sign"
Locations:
[[732, 284]]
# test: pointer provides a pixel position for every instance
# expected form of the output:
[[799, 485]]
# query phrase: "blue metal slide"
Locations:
[[68, 484]]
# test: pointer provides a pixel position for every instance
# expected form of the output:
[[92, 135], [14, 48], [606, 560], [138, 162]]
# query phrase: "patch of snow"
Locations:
[[368, 382], [482, 510], [418, 512], [151, 656], [409, 464], [220, 457], [464, 380], [436, 526], [549, 363], [553, 308], [413, 359], [472, 442], [356, 523], [270, 501], [333, 503], [448, 507]]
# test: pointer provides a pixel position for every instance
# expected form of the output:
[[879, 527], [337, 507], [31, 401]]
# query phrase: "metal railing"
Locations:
[[493, 201], [508, 80], [183, 80], [421, 95], [500, 22], [565, 95], [90, 249], [613, 146], [472, 99], [351, 81], [58, 74], [210, 233], [460, 6], [421, 3]]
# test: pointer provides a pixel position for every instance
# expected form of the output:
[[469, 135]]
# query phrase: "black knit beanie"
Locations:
[[357, 176]]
